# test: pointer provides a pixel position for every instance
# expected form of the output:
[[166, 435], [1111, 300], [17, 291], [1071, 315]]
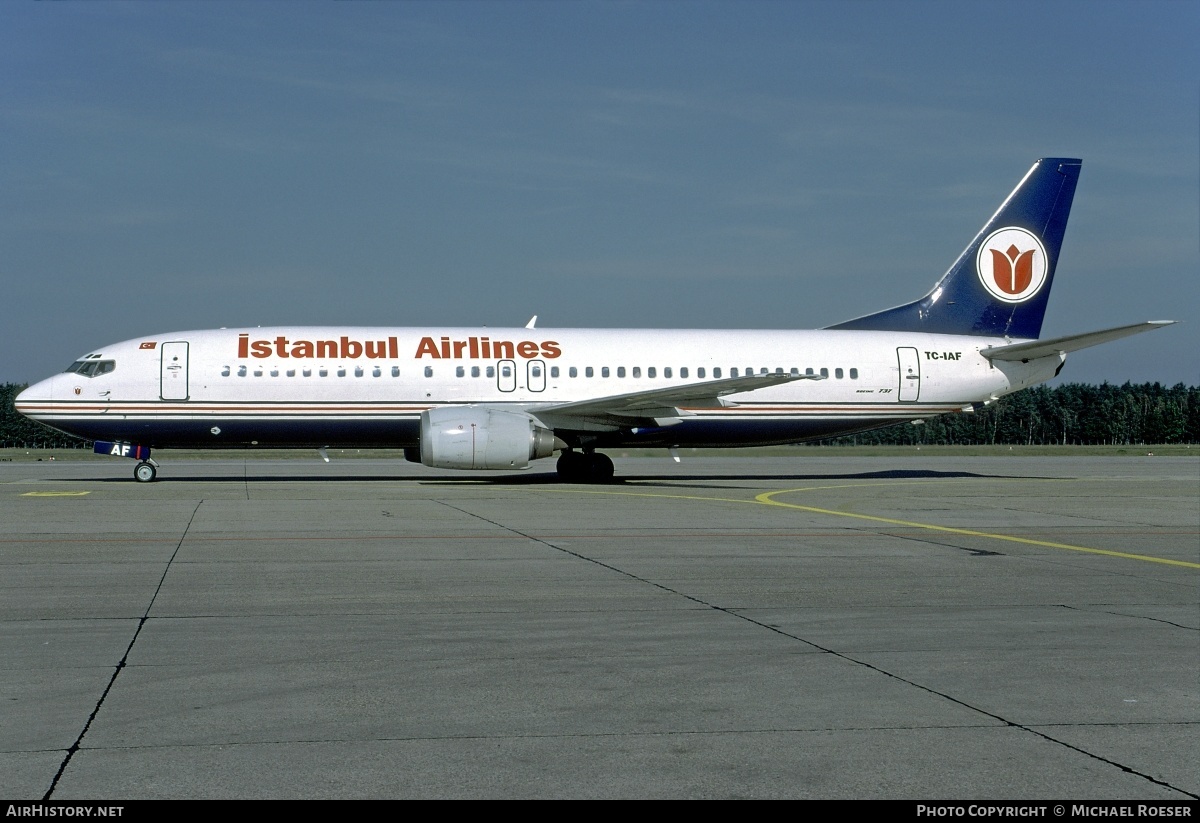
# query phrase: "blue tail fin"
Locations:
[[1000, 283]]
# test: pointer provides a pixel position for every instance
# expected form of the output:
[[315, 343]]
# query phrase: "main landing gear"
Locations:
[[584, 467]]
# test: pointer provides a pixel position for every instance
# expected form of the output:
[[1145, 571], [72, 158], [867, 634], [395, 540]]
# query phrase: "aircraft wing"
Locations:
[[658, 403], [1062, 345]]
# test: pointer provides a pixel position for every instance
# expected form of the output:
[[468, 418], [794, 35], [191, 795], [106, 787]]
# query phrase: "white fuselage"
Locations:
[[366, 387]]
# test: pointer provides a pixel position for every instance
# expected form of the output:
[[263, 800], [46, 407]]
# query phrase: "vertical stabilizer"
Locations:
[[1001, 282]]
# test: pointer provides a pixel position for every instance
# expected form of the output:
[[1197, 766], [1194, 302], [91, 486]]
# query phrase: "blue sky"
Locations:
[[172, 166]]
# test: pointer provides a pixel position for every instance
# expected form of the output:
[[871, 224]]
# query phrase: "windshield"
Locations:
[[91, 368]]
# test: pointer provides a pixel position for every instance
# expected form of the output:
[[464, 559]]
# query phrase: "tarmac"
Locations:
[[732, 627]]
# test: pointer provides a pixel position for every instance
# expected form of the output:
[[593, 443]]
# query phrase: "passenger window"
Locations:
[[474, 371], [733, 372], [358, 372], [808, 371], [837, 373], [395, 371], [589, 373], [604, 371], [682, 372], [291, 372], [460, 371], [274, 372], [324, 372], [651, 372], [241, 371], [225, 372], [620, 371], [375, 372], [554, 372], [341, 372], [536, 371], [824, 372], [258, 372], [637, 371], [307, 372], [717, 371], [572, 372], [854, 374], [491, 371], [794, 372], [429, 371]]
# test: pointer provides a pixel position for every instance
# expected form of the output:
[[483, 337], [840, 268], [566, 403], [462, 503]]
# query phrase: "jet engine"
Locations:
[[479, 437]]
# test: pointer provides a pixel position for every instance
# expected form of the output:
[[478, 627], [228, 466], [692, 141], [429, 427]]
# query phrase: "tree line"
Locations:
[[1070, 414]]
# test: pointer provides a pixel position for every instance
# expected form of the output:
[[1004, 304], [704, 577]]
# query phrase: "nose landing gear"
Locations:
[[145, 471]]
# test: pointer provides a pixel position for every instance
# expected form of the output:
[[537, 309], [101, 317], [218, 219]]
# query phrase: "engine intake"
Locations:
[[478, 437]]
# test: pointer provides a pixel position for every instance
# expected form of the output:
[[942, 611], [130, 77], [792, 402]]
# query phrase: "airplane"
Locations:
[[502, 398]]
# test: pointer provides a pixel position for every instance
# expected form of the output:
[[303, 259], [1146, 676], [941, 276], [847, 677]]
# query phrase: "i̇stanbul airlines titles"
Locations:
[[470, 398]]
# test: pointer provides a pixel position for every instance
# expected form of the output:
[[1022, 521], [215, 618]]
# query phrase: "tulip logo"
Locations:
[[1012, 264]]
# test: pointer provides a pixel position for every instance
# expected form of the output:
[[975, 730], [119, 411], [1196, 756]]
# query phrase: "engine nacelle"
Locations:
[[478, 437]]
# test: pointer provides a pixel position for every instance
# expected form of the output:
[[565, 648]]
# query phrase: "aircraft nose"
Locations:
[[28, 401]]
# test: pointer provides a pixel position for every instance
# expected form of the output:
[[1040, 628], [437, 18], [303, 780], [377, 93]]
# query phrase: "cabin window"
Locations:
[[324, 372], [637, 371], [824, 372], [225, 371], [474, 371], [794, 372], [536, 371], [808, 371], [683, 372], [307, 372], [652, 372], [572, 372], [699, 372], [837, 373], [733, 372], [291, 372], [274, 372], [258, 372], [491, 371], [554, 371], [854, 374], [589, 372], [241, 371], [376, 372], [717, 371], [620, 371], [341, 371], [506, 371], [429, 371], [395, 371], [358, 372], [460, 371], [604, 371]]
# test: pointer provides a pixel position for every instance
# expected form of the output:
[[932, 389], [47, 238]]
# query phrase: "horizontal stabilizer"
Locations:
[[1062, 345]]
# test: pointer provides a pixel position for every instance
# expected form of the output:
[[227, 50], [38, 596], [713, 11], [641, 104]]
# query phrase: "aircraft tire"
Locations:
[[601, 469], [572, 467], [144, 472]]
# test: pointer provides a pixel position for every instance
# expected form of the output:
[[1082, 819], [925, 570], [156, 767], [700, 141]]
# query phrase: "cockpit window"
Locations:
[[92, 368]]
